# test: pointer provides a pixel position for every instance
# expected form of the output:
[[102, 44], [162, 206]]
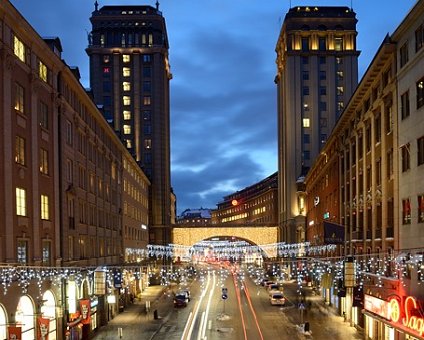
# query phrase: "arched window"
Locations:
[[48, 310], [25, 317], [3, 323]]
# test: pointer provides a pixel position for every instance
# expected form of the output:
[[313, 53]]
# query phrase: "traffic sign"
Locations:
[[224, 296]]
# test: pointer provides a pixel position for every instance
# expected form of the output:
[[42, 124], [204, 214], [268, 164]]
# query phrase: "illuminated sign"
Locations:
[[412, 319], [326, 215], [234, 202], [377, 306]]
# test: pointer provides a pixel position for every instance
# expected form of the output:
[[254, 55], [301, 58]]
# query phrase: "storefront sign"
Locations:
[[15, 333], [377, 306], [85, 311], [43, 328], [99, 281], [412, 319]]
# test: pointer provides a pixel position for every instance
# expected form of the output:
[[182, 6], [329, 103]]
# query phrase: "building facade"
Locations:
[[195, 217], [254, 205], [129, 77], [316, 75], [62, 192]]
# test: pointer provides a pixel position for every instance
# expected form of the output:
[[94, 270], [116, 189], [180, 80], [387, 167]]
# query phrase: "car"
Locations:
[[277, 299], [180, 300], [273, 287], [269, 283], [186, 292]]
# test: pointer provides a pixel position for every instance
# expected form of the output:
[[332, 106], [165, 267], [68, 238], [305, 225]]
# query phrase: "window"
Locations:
[[45, 207], [321, 44], [323, 138], [106, 70], [107, 86], [306, 138], [388, 118], [405, 157], [305, 44], [147, 86], [340, 90], [305, 90], [127, 115], [19, 98], [323, 106], [306, 122], [127, 129], [128, 143], [44, 161], [126, 71], [306, 155], [147, 71], [150, 39], [146, 100], [420, 208], [147, 58], [305, 75], [147, 143], [147, 129], [322, 75], [419, 38], [390, 164], [420, 93], [340, 106], [322, 60], [46, 254], [102, 40], [126, 86], [377, 127], [368, 137], [403, 54], [404, 102], [106, 59], [19, 48], [323, 122], [305, 60], [21, 207], [126, 100], [420, 151], [42, 71], [22, 251], [20, 150], [406, 211], [44, 115], [339, 61], [69, 171], [69, 133], [322, 90], [126, 58], [340, 75], [146, 115], [338, 43], [378, 172]]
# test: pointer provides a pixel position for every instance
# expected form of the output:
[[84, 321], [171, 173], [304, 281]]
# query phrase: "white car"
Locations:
[[277, 299]]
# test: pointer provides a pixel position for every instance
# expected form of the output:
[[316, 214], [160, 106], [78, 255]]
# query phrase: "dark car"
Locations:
[[180, 300]]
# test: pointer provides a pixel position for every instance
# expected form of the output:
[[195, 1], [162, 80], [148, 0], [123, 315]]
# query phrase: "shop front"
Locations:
[[395, 318]]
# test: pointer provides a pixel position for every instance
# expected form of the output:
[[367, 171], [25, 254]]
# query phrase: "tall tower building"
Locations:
[[129, 77], [317, 71]]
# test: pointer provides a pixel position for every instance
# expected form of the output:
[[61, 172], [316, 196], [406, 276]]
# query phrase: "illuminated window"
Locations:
[[147, 143], [420, 208], [102, 40], [338, 44], [420, 93], [19, 48], [126, 71], [340, 106], [44, 161], [127, 129], [340, 90], [128, 143], [126, 100], [20, 150], [21, 208], [150, 39], [126, 86], [106, 59], [42, 71], [127, 115], [147, 58], [44, 207], [146, 100], [22, 257], [339, 75], [406, 211], [306, 122], [44, 115], [126, 58], [46, 261], [19, 98]]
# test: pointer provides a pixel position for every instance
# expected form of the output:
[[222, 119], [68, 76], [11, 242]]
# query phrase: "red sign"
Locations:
[[377, 306], [85, 311], [43, 328], [15, 333], [408, 318]]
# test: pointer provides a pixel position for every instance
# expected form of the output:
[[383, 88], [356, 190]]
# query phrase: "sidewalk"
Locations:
[[134, 322]]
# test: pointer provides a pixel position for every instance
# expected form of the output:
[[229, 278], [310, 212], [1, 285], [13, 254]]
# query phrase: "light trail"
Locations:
[[239, 303], [203, 326], [246, 290]]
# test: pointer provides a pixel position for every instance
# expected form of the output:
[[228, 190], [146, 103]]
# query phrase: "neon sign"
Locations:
[[410, 320]]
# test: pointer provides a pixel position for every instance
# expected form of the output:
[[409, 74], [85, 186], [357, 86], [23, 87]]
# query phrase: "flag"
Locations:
[[43, 328]]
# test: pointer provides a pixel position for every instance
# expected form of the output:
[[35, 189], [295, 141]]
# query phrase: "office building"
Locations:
[[129, 77], [316, 75]]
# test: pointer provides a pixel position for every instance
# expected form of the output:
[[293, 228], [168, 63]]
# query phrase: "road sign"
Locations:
[[224, 290], [224, 296]]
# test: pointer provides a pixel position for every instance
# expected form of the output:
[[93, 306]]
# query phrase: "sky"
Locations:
[[223, 95]]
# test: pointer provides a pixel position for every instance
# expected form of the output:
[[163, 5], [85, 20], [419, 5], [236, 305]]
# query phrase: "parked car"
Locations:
[[180, 300], [277, 299]]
